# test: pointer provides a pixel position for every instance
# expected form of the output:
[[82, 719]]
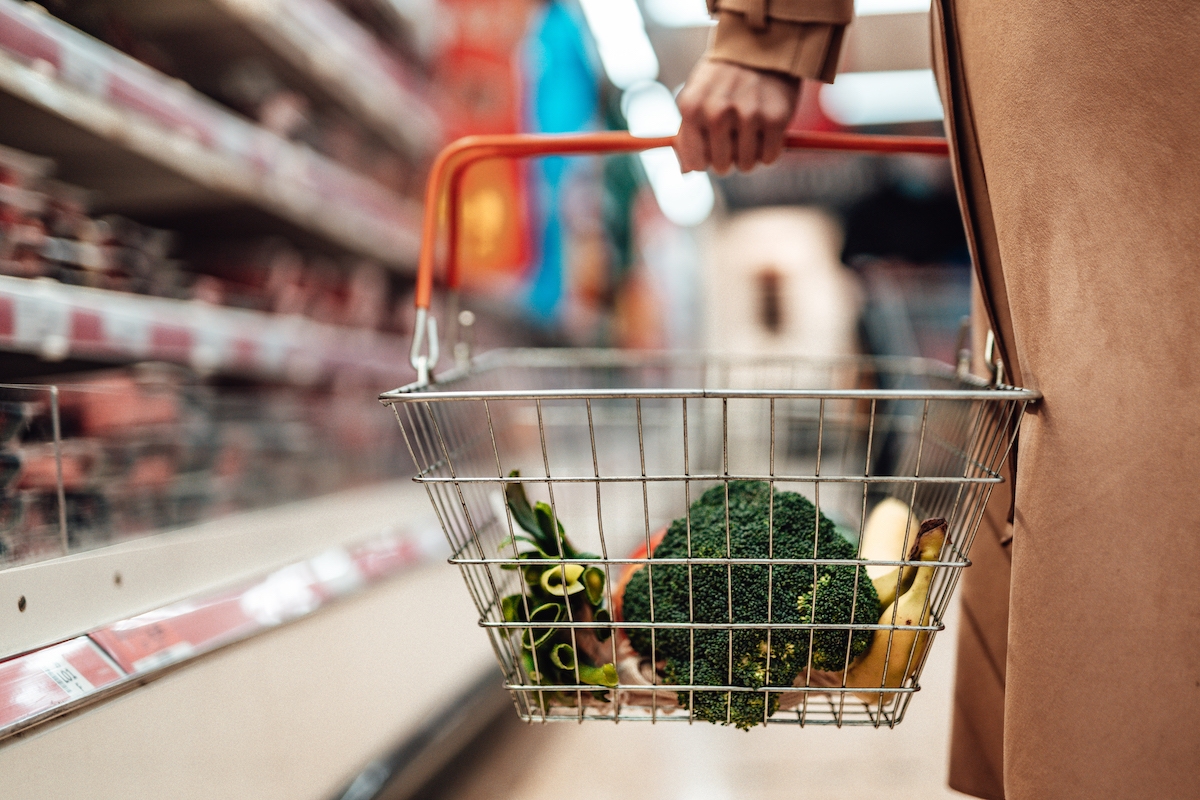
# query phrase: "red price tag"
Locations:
[[38, 682], [175, 632]]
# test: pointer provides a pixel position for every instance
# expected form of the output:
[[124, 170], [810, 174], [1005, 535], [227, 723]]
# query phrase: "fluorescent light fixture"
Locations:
[[880, 98], [649, 107], [679, 13], [866, 8], [686, 200], [621, 40], [650, 110]]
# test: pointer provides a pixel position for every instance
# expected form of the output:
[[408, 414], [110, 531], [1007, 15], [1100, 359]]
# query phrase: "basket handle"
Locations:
[[445, 180]]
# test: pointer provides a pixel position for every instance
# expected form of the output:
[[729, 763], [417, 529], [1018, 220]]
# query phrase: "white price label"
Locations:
[[171, 655], [69, 679]]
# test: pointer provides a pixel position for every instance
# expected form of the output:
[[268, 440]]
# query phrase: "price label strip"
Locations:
[[176, 632], [37, 683]]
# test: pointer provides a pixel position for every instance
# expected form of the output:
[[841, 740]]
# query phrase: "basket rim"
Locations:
[[549, 358]]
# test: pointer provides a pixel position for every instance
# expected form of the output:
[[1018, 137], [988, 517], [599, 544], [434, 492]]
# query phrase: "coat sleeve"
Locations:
[[802, 38]]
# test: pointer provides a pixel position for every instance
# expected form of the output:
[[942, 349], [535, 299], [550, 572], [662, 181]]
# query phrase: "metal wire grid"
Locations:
[[617, 460]]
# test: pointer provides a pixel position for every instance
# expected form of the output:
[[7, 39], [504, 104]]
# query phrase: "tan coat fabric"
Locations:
[[799, 37], [1076, 135]]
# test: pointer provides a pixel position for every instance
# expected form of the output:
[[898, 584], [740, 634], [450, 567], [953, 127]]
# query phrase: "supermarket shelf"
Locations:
[[419, 18], [54, 680], [57, 321], [320, 50], [73, 594], [289, 715], [155, 149]]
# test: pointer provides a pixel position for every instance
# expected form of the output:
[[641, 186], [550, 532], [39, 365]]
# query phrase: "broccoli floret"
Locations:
[[740, 594]]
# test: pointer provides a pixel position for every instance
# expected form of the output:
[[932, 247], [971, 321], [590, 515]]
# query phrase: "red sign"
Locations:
[[478, 76]]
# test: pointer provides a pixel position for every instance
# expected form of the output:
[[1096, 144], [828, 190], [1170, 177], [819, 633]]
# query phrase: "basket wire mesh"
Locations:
[[618, 445]]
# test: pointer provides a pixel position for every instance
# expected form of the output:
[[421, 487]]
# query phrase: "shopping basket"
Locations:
[[769, 598]]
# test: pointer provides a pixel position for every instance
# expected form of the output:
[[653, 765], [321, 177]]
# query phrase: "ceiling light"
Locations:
[[650, 110], [679, 13], [621, 40], [685, 199], [880, 98]]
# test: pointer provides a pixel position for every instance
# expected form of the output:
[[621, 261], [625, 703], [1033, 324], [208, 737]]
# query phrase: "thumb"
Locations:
[[691, 147]]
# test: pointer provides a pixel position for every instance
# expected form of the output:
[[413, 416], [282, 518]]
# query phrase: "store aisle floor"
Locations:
[[673, 761]]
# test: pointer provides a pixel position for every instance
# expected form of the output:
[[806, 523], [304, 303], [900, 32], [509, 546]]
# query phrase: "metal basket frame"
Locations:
[[566, 416], [456, 430]]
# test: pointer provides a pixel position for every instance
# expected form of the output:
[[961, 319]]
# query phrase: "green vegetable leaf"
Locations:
[[563, 656], [598, 676], [546, 524], [530, 668], [593, 581], [533, 576], [511, 541], [602, 615], [535, 637], [562, 580], [519, 504], [513, 608]]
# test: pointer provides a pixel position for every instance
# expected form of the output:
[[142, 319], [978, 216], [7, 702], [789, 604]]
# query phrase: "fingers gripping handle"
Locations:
[[445, 183]]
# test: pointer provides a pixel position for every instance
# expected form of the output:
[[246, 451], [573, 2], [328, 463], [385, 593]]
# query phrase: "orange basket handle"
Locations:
[[445, 180]]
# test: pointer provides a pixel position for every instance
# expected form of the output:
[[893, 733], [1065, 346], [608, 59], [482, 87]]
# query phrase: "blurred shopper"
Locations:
[[1075, 131]]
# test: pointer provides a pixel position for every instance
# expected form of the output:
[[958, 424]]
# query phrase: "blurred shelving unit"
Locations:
[[57, 321], [295, 713], [318, 48], [151, 146], [246, 478]]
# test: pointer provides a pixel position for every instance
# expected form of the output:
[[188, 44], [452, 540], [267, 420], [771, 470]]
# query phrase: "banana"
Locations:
[[890, 531], [898, 581], [894, 655]]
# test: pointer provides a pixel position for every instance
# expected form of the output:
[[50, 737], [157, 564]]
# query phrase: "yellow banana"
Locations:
[[890, 530], [901, 577], [895, 654]]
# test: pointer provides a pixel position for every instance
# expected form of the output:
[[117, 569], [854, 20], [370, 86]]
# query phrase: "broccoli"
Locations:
[[743, 662]]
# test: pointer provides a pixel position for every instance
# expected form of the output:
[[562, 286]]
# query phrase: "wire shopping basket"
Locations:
[[688, 536]]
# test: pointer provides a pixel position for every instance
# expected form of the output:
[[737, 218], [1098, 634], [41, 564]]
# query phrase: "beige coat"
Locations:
[[1075, 129]]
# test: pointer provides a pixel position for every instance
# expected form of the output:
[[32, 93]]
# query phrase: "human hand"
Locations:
[[733, 115]]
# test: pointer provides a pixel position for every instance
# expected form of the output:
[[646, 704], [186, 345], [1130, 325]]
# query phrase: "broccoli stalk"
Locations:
[[720, 594]]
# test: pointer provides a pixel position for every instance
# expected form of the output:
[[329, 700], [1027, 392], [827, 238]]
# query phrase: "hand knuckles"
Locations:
[[747, 112], [716, 111], [689, 109], [775, 116]]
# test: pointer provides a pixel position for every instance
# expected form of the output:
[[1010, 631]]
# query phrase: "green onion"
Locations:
[[593, 581], [563, 656], [563, 579], [598, 676]]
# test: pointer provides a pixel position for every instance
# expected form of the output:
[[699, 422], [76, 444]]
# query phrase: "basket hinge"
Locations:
[[995, 364], [424, 363]]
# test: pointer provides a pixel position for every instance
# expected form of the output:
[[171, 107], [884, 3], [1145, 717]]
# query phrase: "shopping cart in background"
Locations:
[[769, 597]]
